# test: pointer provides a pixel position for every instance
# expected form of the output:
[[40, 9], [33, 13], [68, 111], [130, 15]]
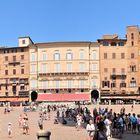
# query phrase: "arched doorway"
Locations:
[[94, 95], [34, 96]]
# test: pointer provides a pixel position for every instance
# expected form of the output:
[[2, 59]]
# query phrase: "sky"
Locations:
[[65, 20]]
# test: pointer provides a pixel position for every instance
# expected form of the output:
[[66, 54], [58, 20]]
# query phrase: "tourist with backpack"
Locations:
[[134, 123]]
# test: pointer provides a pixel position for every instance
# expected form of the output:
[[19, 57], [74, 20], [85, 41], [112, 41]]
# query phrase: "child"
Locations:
[[9, 129]]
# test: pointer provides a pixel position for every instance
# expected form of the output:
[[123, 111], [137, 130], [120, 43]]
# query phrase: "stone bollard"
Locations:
[[43, 135]]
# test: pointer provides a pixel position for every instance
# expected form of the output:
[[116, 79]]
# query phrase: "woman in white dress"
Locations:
[[90, 130]]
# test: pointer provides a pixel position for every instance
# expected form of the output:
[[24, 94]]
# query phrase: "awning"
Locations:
[[122, 97], [63, 97], [14, 99]]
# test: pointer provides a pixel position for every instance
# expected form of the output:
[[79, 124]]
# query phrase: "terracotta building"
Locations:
[[14, 71], [119, 66]]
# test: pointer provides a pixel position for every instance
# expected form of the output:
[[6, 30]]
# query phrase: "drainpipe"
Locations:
[[89, 67]]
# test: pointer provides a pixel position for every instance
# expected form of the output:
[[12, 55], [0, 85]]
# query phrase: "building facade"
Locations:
[[108, 69], [119, 65], [14, 72], [64, 68]]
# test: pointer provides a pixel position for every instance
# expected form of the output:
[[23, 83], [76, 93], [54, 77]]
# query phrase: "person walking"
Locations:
[[134, 123], [90, 128], [40, 123], [108, 126], [9, 129]]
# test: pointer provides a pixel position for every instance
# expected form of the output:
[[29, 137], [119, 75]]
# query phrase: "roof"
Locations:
[[111, 40], [63, 97], [6, 47]]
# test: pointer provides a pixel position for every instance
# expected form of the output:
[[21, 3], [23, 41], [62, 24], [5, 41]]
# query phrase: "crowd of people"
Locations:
[[100, 124]]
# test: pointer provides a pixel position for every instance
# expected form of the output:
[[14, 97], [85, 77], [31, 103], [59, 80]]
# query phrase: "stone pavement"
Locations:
[[58, 131]]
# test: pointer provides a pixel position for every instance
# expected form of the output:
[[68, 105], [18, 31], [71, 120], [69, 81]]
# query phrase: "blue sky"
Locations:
[[65, 20]]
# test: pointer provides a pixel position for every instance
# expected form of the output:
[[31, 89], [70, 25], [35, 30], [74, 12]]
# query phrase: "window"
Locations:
[[22, 49], [33, 84], [82, 66], [6, 58], [123, 70], [132, 43], [105, 43], [44, 84], [22, 87], [69, 56], [33, 57], [44, 56], [22, 71], [14, 50], [57, 84], [94, 55], [6, 72], [44, 68], [70, 83], [22, 57], [57, 67], [122, 55], [14, 58], [114, 70], [6, 87], [113, 44], [132, 35], [132, 68], [133, 82], [6, 94], [121, 43], [23, 42], [105, 69], [56, 55], [69, 67], [94, 83], [132, 55], [94, 67], [14, 89], [81, 83], [105, 84], [82, 54], [6, 51], [113, 55], [105, 55], [122, 84], [33, 68], [14, 71], [113, 85]]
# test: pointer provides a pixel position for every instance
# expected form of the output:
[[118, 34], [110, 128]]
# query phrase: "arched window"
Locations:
[[56, 55], [132, 35], [94, 55], [133, 82], [69, 56]]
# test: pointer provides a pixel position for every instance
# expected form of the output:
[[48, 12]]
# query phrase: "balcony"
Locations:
[[23, 93], [63, 74], [23, 81], [118, 76], [14, 63], [62, 88]]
